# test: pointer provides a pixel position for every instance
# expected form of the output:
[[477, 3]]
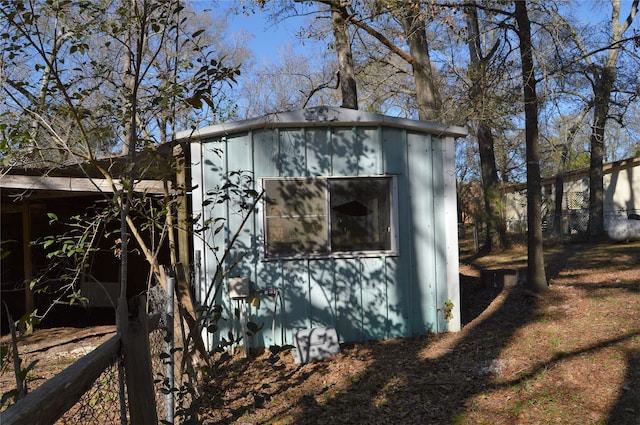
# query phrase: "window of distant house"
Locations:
[[323, 216]]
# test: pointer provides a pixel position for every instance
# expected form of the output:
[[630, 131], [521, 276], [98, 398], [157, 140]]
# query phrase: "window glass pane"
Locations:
[[297, 235], [360, 214], [295, 197], [296, 219]]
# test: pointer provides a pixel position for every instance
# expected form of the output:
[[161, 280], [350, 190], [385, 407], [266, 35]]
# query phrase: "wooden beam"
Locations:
[[184, 245], [27, 261], [72, 184]]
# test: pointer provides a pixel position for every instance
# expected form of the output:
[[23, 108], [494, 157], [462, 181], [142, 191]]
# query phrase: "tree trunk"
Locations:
[[536, 278], [496, 238], [427, 95], [602, 95], [605, 77], [557, 210], [339, 18], [134, 333]]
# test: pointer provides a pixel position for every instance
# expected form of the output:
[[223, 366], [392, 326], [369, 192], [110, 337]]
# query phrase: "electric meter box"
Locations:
[[238, 287]]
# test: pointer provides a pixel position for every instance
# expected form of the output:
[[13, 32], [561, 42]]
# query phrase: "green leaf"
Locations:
[[49, 240]]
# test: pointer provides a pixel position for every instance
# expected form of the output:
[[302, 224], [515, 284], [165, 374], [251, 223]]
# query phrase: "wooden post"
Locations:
[[137, 361], [184, 245], [27, 261]]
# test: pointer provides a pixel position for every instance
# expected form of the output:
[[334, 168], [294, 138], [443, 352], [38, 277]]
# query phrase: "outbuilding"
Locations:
[[331, 218]]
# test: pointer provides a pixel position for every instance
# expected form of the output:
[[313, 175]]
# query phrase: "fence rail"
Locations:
[[52, 399], [91, 390]]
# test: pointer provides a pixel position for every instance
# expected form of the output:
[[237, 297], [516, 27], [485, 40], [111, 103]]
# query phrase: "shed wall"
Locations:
[[622, 189], [364, 298]]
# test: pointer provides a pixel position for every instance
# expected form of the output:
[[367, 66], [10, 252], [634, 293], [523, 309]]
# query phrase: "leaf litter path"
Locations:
[[572, 358]]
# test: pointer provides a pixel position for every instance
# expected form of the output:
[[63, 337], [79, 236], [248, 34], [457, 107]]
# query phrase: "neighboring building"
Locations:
[[621, 197], [356, 226]]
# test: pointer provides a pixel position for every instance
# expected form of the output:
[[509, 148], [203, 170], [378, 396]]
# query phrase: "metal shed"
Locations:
[[355, 227]]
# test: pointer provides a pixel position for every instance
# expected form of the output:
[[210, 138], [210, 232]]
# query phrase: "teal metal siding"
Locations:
[[364, 298]]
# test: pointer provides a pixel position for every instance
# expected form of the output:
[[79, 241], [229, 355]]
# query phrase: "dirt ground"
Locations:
[[53, 349], [572, 357]]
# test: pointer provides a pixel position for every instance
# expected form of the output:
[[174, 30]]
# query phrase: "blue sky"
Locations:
[[268, 37]]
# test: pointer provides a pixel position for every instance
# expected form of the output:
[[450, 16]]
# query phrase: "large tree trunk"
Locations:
[[602, 96], [596, 186], [605, 77], [558, 230], [536, 277], [496, 238], [427, 95], [339, 18]]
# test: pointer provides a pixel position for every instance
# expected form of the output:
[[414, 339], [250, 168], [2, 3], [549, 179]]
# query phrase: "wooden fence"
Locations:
[[47, 403]]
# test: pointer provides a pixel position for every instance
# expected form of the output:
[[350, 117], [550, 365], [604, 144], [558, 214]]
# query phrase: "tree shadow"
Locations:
[[219, 397], [474, 297], [626, 411], [441, 377], [437, 378], [446, 378], [592, 255]]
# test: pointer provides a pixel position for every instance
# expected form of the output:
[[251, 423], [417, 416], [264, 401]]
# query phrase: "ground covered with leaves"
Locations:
[[572, 357]]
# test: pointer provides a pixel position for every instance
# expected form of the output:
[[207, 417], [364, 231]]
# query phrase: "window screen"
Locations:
[[295, 214], [320, 216], [360, 214]]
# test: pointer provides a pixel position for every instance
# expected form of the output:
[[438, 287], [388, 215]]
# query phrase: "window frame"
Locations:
[[393, 220]]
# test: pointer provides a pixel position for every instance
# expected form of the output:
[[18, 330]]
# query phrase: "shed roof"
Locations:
[[320, 116], [81, 178]]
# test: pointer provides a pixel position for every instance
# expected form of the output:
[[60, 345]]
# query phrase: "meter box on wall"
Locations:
[[238, 287]]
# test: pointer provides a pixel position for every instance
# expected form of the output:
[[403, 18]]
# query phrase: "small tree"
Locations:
[[82, 77], [479, 69]]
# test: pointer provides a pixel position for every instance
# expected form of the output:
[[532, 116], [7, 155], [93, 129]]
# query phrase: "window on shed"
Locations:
[[295, 216], [329, 216]]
